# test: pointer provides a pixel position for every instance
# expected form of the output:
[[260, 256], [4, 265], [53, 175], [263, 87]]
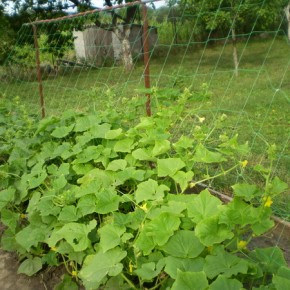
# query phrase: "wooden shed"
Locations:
[[96, 45]]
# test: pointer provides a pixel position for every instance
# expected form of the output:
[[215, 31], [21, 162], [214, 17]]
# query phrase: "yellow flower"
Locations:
[[242, 245], [201, 119], [244, 163], [268, 201], [23, 216], [74, 273], [144, 207], [192, 184], [54, 249], [130, 267]]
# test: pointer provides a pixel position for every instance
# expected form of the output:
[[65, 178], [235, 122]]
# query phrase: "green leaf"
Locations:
[[224, 263], [99, 131], [145, 243], [277, 186], [66, 283], [88, 154], [9, 219], [150, 270], [30, 236], [75, 234], [169, 166], [150, 190], [86, 122], [30, 266], [160, 147], [183, 178], [223, 283], [82, 169], [124, 145], [184, 142], [282, 279], [183, 244], [205, 156], [270, 259], [110, 236], [183, 264], [162, 227], [61, 132], [68, 214], [113, 134], [86, 205], [130, 173], [246, 191], [190, 281], [50, 258], [145, 123], [143, 154], [107, 201], [6, 196], [203, 206], [210, 231], [117, 164], [239, 212], [96, 267]]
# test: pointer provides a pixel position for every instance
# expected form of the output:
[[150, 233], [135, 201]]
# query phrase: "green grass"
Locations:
[[256, 102]]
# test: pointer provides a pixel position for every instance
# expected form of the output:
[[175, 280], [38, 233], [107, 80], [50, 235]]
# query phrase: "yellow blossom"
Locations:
[[144, 207], [242, 245], [201, 119], [244, 163], [192, 184], [74, 273], [268, 201], [54, 249], [130, 267], [23, 216]]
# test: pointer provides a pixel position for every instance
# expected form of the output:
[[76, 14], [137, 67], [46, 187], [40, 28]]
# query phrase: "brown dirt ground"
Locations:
[[47, 279]]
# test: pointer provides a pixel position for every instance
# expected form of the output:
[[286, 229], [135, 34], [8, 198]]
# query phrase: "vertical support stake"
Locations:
[[39, 78], [146, 57]]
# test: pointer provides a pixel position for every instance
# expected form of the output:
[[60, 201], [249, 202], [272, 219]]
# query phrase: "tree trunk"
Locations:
[[123, 33], [287, 13], [235, 51]]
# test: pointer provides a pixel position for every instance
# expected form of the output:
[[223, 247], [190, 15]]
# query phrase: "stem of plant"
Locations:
[[128, 281]]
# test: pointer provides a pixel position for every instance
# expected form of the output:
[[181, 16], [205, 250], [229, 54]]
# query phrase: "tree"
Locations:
[[287, 13], [28, 11], [230, 17]]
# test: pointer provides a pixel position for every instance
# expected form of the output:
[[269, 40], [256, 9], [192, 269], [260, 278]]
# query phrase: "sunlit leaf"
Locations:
[[190, 281], [169, 166], [224, 283], [183, 244], [203, 206], [224, 263], [96, 267], [210, 231], [30, 266]]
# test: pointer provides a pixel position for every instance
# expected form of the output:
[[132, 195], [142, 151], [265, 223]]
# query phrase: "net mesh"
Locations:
[[234, 70]]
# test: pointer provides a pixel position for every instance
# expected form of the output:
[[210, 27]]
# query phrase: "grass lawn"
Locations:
[[256, 102]]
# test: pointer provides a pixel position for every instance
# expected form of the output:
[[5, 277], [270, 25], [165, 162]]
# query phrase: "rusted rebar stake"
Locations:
[[146, 57], [39, 78]]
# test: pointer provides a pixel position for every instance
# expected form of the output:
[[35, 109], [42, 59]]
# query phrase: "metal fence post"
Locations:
[[39, 78], [146, 57]]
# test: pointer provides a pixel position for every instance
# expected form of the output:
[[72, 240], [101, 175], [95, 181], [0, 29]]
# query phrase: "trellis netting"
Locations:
[[231, 60]]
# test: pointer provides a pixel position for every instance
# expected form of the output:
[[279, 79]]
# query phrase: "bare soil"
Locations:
[[47, 279]]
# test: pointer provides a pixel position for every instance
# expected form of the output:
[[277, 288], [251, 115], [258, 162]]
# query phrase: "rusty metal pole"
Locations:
[[39, 78], [146, 58]]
